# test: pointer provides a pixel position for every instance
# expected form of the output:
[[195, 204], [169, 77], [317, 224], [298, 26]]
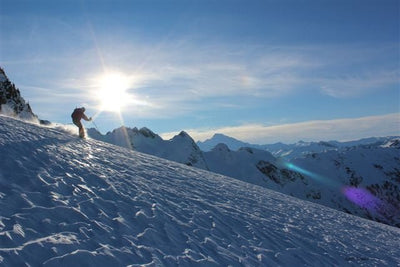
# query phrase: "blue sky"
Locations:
[[260, 71]]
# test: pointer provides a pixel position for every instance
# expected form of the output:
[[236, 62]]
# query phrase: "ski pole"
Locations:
[[95, 126]]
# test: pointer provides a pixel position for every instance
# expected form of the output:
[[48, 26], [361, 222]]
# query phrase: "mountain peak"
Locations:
[[224, 137], [221, 147], [218, 138], [147, 132], [219, 135], [11, 101], [184, 134]]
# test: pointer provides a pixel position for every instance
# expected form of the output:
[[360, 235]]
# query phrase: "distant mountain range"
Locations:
[[298, 149]]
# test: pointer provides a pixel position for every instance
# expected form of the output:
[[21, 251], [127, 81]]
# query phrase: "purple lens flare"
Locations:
[[362, 197]]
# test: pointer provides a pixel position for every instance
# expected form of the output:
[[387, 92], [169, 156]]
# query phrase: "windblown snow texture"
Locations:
[[65, 201]]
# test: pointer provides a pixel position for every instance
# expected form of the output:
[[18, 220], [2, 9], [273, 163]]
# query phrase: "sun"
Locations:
[[111, 91]]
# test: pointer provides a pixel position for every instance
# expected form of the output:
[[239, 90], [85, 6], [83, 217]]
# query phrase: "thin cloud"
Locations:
[[337, 129], [354, 85], [176, 76], [194, 73]]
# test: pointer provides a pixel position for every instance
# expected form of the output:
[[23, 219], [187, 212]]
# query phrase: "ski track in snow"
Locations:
[[67, 202]]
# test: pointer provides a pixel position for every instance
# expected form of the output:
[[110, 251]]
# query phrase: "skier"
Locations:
[[77, 115]]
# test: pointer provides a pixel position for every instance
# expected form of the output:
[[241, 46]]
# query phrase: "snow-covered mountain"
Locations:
[[302, 149], [181, 148], [66, 201], [11, 101], [239, 164], [368, 176], [230, 142], [326, 178]]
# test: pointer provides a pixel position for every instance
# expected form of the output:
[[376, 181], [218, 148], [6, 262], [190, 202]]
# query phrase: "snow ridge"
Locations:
[[65, 201]]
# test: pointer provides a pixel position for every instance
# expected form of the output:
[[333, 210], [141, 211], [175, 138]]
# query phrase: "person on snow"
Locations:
[[77, 115]]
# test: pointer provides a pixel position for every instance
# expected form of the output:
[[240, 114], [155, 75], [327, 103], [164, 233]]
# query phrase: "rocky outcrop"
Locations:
[[278, 175], [11, 101]]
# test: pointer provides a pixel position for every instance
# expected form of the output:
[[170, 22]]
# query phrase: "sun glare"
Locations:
[[112, 91]]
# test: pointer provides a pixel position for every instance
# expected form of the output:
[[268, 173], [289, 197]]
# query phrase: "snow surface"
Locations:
[[66, 201]]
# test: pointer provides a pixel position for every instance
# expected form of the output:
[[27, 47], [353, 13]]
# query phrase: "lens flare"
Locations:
[[362, 198], [357, 195], [312, 175], [125, 133]]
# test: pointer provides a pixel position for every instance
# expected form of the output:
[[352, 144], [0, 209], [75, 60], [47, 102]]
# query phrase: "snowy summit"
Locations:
[[66, 201]]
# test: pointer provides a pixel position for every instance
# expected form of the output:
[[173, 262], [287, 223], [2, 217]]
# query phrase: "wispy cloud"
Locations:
[[337, 129], [194, 72], [344, 86], [177, 75]]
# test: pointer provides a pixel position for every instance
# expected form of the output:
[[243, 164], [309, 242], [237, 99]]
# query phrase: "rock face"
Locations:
[[11, 101], [279, 176]]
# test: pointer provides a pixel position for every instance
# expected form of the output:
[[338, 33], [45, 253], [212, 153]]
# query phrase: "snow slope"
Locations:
[[66, 201], [240, 164]]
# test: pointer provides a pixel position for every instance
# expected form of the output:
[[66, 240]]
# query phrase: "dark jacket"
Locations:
[[78, 114]]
